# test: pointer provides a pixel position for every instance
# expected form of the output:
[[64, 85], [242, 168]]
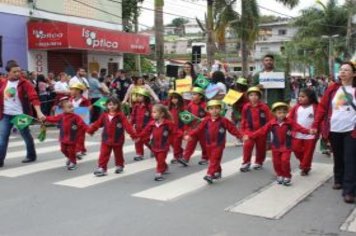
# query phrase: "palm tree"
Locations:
[[248, 30], [159, 36]]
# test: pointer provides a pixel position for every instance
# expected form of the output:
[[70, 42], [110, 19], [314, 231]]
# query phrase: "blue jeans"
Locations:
[[5, 130]]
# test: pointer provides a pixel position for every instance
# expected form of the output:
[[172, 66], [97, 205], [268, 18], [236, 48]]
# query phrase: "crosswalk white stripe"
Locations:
[[275, 200], [185, 185], [130, 169], [48, 165], [22, 142], [42, 150], [350, 223]]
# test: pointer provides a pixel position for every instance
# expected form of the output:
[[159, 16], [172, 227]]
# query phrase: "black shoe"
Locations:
[[174, 161], [337, 186], [349, 199], [159, 177], [208, 179], [27, 160], [183, 162], [119, 169], [217, 175], [1, 164], [138, 158], [203, 162]]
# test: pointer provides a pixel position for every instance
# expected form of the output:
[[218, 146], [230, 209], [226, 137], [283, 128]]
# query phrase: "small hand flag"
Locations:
[[42, 135], [22, 121], [101, 103], [186, 117], [125, 108], [201, 81]]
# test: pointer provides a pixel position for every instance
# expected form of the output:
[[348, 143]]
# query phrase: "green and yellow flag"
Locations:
[[125, 108], [201, 81], [22, 121], [186, 117], [101, 103]]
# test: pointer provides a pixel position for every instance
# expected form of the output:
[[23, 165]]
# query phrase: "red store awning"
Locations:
[[59, 35]]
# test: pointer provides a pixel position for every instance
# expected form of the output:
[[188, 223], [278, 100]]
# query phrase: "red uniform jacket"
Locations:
[[215, 131], [140, 115], [281, 133], [113, 132], [254, 118], [69, 125], [84, 103], [27, 95], [160, 135], [197, 109], [293, 112], [324, 111], [180, 126]]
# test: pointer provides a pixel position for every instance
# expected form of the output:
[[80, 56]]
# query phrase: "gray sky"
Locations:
[[197, 8]]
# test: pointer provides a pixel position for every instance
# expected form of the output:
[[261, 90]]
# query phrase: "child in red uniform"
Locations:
[[78, 100], [281, 128], [303, 145], [113, 136], [213, 129], [175, 106], [255, 114], [69, 124], [161, 129], [197, 108], [140, 117]]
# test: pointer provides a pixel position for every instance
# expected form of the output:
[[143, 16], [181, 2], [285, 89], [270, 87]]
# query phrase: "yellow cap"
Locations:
[[279, 104], [79, 86], [142, 91], [215, 103], [172, 92], [254, 89], [198, 90], [242, 81]]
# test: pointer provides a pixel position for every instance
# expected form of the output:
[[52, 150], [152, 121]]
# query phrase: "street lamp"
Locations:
[[331, 47]]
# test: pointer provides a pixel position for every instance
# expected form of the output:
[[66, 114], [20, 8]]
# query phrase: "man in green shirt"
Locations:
[[272, 95]]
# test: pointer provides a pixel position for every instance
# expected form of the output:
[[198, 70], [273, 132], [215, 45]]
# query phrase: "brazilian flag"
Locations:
[[201, 81], [101, 103], [186, 117], [22, 121]]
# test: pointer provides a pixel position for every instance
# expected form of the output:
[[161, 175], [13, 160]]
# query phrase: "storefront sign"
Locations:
[[37, 61], [58, 35]]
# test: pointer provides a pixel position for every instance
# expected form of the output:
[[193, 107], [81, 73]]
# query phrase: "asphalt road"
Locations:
[[43, 198]]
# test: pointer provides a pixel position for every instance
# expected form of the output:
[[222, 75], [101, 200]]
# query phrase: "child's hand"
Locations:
[[245, 138], [136, 140], [187, 138], [313, 131]]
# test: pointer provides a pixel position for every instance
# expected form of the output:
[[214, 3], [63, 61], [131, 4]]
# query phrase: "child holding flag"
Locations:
[[175, 107], [69, 124], [197, 108], [114, 122], [213, 129]]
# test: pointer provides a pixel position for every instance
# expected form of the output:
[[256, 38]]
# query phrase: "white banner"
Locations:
[[272, 80]]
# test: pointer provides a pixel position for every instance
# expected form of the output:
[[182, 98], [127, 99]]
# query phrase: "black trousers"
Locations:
[[344, 149]]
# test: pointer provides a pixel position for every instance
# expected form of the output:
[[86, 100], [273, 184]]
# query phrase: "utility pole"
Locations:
[[138, 56], [158, 15]]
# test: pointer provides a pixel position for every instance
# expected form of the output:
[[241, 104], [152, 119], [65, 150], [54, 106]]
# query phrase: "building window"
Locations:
[[282, 32]]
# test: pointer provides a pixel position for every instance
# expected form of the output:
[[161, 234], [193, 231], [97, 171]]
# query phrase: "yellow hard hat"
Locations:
[[254, 89], [198, 90], [242, 81], [172, 92], [215, 103], [279, 104], [79, 86], [142, 91]]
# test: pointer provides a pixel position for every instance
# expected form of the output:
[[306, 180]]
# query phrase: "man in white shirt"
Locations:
[[17, 96], [80, 78]]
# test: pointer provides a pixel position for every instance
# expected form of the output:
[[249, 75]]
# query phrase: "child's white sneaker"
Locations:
[[99, 172], [257, 166], [287, 181], [245, 167], [279, 179]]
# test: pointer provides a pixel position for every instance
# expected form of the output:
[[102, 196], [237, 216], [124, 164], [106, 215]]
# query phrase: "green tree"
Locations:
[[130, 12], [308, 47]]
